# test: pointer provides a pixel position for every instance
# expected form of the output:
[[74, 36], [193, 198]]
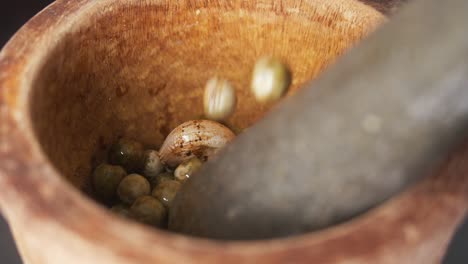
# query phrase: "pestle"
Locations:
[[366, 130]]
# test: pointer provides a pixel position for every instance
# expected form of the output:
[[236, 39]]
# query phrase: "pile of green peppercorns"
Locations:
[[137, 184]]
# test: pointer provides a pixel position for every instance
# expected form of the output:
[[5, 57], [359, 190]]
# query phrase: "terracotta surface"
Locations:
[[82, 73], [140, 74]]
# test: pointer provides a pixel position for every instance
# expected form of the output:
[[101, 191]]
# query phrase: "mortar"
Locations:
[[83, 73]]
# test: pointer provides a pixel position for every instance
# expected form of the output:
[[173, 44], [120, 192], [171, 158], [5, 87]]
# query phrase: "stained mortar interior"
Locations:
[[138, 71]]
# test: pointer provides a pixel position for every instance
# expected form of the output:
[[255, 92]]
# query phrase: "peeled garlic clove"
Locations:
[[271, 79], [196, 138], [219, 100]]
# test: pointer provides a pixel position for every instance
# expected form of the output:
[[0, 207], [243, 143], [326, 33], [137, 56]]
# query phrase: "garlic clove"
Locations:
[[196, 138]]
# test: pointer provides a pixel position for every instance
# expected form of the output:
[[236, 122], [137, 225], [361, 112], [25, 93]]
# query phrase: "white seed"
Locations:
[[271, 79], [152, 166], [187, 168], [196, 138], [219, 100]]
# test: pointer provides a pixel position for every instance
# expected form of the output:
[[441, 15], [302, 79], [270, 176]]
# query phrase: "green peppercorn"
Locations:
[[132, 187], [121, 210], [127, 153], [106, 179], [166, 191], [270, 80], [187, 168], [149, 210], [162, 177], [152, 165]]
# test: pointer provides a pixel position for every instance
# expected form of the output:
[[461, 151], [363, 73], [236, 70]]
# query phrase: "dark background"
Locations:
[[14, 13]]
